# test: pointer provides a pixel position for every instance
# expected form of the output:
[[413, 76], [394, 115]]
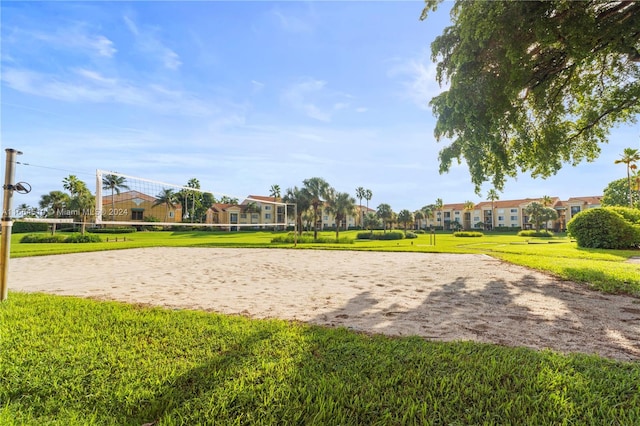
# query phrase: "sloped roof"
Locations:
[[261, 198], [126, 196], [591, 200]]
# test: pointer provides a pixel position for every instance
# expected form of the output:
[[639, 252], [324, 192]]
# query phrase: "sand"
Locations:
[[444, 297]]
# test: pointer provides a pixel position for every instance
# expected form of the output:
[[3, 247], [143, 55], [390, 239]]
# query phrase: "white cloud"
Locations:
[[313, 98], [292, 23], [72, 38], [257, 86], [418, 79], [83, 85], [148, 42]]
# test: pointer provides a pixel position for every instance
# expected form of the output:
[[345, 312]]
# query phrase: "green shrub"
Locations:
[[421, 231], [468, 234], [83, 239], [506, 228], [121, 230], [533, 233], [604, 228], [629, 214], [151, 228], [307, 238], [410, 235], [364, 235], [43, 238], [391, 235], [24, 227]]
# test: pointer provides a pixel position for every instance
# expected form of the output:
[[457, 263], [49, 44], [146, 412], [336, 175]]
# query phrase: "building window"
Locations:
[[267, 207], [476, 218], [500, 218], [457, 213], [243, 215], [514, 218], [514, 210], [171, 214], [500, 210], [267, 215], [137, 214], [575, 210]]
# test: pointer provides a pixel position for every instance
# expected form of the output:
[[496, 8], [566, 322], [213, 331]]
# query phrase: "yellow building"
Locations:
[[134, 206]]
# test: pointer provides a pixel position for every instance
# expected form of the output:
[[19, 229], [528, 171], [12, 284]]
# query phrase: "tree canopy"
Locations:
[[533, 85]]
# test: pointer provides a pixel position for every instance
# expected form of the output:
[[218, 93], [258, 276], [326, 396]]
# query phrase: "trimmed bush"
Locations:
[[532, 233], [83, 239], [410, 235], [391, 235], [629, 214], [24, 227], [56, 238], [468, 234], [604, 228], [126, 230], [43, 238], [307, 238]]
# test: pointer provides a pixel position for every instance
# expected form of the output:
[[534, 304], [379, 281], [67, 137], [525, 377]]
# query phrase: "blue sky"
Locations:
[[242, 95]]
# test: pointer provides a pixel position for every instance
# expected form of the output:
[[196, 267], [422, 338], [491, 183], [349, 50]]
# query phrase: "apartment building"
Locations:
[[259, 210], [508, 213]]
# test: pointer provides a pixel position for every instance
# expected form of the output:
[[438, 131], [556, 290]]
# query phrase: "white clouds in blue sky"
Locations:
[[241, 95]]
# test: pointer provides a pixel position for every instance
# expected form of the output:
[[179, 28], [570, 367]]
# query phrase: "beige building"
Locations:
[[508, 213], [138, 207]]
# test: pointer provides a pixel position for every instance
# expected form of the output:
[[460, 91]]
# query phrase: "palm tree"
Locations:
[[54, 202], [115, 184], [81, 199], [629, 157], [274, 192], [418, 215], [385, 213], [428, 211], [405, 217], [167, 198], [493, 196], [298, 197], [546, 201], [367, 196], [316, 189], [341, 205], [468, 207], [360, 194], [74, 185], [226, 199], [439, 205]]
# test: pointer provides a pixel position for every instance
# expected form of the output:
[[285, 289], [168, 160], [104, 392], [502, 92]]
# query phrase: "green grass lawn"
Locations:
[[71, 361]]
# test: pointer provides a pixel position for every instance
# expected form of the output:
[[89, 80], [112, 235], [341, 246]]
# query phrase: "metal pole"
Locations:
[[5, 247], [295, 225]]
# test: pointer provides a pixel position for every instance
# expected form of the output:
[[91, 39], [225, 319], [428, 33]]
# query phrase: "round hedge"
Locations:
[[603, 228]]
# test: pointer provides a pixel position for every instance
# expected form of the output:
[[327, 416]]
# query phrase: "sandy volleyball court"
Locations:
[[437, 296]]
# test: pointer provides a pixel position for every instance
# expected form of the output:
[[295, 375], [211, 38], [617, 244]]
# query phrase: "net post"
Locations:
[[98, 212], [295, 225], [5, 248]]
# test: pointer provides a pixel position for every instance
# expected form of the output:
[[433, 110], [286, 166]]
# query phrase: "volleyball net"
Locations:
[[124, 200]]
